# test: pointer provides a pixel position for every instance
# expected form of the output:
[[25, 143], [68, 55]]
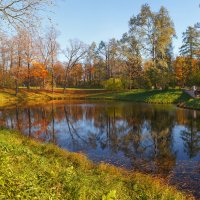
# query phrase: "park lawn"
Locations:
[[33, 96], [172, 96], [31, 170]]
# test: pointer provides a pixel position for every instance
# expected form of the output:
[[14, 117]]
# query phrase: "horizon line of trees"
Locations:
[[142, 58]]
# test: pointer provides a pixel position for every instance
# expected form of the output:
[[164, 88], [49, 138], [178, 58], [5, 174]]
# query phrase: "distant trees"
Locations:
[[185, 68], [19, 54], [89, 76], [191, 43], [131, 60], [154, 32], [73, 53], [52, 53], [142, 58], [187, 65], [190, 49]]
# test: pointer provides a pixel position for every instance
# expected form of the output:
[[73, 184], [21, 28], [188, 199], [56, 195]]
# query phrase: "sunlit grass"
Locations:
[[172, 96], [30, 170], [148, 96]]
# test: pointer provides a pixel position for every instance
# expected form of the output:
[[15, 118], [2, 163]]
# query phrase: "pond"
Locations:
[[157, 139]]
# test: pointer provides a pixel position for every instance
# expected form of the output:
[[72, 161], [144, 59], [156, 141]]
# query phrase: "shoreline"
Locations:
[[172, 96], [61, 172]]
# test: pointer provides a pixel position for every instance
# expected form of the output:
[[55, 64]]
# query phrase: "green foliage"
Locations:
[[195, 79], [30, 170], [113, 84], [145, 82], [158, 27], [190, 45]]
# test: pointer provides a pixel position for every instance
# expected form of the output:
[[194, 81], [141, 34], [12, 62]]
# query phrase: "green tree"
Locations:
[[154, 32], [132, 60], [190, 46], [107, 53]]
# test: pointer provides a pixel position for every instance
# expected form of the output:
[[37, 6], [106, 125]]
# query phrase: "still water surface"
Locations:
[[158, 139]]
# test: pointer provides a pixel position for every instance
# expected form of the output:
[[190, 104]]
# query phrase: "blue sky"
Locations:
[[96, 20]]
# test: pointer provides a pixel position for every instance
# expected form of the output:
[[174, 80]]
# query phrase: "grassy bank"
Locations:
[[191, 104], [30, 170], [34, 96], [7, 96], [147, 96]]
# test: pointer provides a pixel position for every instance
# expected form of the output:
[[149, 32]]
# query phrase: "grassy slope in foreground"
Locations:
[[30, 170]]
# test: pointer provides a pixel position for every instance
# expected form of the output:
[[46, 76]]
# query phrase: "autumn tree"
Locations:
[[74, 53], [107, 52], [22, 15], [181, 71], [76, 74], [89, 62], [4, 57], [39, 72], [18, 72], [59, 73], [131, 59], [48, 49], [154, 32], [53, 48], [28, 45]]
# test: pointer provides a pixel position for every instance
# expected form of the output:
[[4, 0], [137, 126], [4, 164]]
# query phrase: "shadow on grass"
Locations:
[[147, 96]]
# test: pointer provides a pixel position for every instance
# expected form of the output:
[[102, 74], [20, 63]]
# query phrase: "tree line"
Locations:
[[142, 58]]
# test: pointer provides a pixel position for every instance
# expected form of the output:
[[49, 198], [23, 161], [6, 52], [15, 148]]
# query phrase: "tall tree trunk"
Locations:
[[16, 87], [28, 85]]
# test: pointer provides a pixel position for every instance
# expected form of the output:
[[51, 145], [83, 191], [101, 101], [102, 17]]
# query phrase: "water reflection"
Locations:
[[155, 139]]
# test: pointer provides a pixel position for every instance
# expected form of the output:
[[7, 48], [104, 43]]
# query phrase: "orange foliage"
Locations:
[[39, 70], [77, 71], [183, 67]]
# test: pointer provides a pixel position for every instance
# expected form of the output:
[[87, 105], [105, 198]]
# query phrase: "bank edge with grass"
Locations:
[[32, 170], [173, 96]]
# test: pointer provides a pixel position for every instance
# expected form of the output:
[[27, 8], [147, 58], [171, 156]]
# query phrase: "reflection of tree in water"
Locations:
[[133, 135], [35, 122], [142, 133], [123, 131], [191, 136], [72, 131], [162, 154], [153, 145]]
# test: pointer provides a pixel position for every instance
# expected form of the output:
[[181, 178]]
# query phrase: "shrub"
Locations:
[[113, 84]]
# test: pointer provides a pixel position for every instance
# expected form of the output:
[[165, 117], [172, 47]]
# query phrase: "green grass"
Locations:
[[191, 104], [31, 170], [172, 96], [148, 96]]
